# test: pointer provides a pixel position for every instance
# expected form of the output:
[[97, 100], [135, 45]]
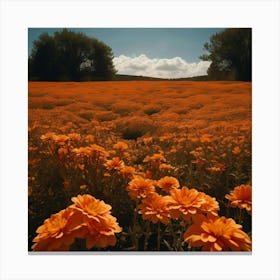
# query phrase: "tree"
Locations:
[[230, 54], [70, 56]]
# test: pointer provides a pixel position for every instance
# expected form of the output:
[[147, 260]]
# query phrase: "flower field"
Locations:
[[139, 166]]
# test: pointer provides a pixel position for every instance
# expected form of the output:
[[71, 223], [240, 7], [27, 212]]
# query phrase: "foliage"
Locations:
[[70, 56], [230, 53]]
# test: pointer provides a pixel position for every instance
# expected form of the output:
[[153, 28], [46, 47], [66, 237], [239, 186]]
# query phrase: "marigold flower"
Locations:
[[100, 227], [187, 202], [205, 138], [89, 138], [241, 197], [102, 234], [62, 152], [147, 140], [196, 153], [74, 136], [236, 150], [127, 171], [199, 162], [155, 158], [98, 151], [114, 164], [82, 151], [164, 166], [168, 183], [121, 146], [139, 188], [90, 207], [83, 187], [217, 168], [47, 137], [217, 234], [60, 139], [58, 232], [155, 208]]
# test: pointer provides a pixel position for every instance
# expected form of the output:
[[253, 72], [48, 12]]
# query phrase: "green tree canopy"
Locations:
[[230, 54], [70, 56]]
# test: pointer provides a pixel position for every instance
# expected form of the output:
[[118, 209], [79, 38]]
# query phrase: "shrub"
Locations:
[[135, 127]]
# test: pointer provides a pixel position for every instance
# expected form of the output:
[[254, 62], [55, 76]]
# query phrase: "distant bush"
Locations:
[[125, 108], [86, 115], [135, 127], [104, 116], [151, 109]]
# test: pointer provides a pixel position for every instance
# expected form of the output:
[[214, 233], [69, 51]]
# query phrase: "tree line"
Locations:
[[70, 56], [73, 56]]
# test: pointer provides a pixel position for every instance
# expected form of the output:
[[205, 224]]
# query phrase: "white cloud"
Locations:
[[175, 67]]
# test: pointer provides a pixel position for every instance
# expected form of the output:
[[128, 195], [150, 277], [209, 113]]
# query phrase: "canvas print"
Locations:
[[139, 139]]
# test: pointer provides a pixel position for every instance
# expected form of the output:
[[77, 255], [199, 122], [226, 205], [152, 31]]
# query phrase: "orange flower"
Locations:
[[82, 151], [90, 207], [58, 232], [62, 152], [236, 150], [47, 137], [74, 136], [102, 234], [89, 138], [155, 208], [121, 146], [127, 171], [114, 164], [168, 183], [217, 168], [83, 187], [188, 202], [155, 158], [98, 151], [100, 227], [217, 234], [199, 162], [241, 197], [139, 188], [205, 138], [164, 166], [60, 139]]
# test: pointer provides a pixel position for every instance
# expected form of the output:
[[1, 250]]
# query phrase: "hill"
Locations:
[[120, 77]]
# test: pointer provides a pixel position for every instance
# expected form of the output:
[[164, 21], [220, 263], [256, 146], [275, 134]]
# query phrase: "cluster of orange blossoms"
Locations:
[[217, 234], [208, 231], [241, 197], [88, 218]]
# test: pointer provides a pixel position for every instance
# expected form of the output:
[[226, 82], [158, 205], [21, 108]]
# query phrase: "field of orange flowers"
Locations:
[[139, 166]]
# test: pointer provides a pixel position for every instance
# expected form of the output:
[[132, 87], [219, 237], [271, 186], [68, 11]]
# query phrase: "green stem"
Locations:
[[158, 237], [147, 235]]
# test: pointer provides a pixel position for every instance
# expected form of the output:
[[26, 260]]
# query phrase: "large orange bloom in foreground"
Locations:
[[188, 202], [88, 218], [155, 208], [99, 225], [217, 234], [58, 232], [241, 197], [140, 188], [90, 207], [102, 234]]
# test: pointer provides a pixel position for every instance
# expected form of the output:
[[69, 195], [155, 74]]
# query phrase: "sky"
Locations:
[[154, 52]]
